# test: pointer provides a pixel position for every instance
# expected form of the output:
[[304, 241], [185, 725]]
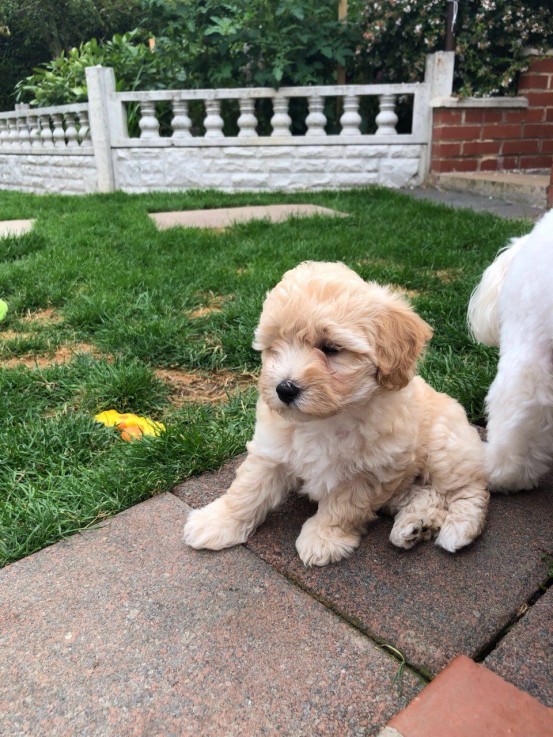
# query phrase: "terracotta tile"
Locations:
[[525, 656], [123, 631], [429, 604], [467, 700]]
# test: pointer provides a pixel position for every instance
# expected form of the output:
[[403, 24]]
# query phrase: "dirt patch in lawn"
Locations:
[[6, 335], [63, 354], [213, 303], [204, 386], [49, 315], [446, 276]]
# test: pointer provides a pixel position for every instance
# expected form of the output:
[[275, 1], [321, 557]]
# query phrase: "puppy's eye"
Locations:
[[330, 349]]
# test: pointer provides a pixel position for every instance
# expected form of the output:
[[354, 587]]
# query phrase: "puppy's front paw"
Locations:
[[212, 527], [456, 535], [405, 534], [318, 546]]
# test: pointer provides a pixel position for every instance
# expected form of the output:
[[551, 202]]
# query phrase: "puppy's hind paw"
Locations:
[[321, 546], [213, 528]]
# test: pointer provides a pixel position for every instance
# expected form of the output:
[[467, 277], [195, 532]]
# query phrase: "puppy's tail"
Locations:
[[483, 309]]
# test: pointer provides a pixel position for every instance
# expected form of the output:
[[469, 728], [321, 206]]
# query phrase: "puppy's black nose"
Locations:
[[287, 391]]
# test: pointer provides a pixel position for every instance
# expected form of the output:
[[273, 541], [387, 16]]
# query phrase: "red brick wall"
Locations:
[[490, 139]]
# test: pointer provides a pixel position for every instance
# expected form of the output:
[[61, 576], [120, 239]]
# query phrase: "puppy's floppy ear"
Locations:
[[400, 337]]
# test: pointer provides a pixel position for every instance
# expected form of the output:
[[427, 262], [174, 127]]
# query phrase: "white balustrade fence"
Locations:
[[295, 138]]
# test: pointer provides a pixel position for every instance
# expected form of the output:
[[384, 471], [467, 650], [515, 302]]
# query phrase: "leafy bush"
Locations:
[[63, 80], [256, 42], [240, 43], [490, 38], [32, 32]]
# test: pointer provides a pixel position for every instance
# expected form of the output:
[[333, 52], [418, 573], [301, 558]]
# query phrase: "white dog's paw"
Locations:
[[212, 527], [318, 546]]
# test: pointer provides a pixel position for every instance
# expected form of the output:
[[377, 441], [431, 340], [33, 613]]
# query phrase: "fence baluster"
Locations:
[[213, 121], [181, 123], [46, 132], [386, 120], [13, 137], [58, 135], [24, 135], [71, 130], [34, 133], [350, 120], [247, 122], [281, 121], [316, 120], [84, 127], [148, 123], [4, 133]]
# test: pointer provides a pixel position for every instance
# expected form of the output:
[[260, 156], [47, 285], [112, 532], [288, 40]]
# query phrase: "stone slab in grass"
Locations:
[[122, 630], [525, 656], [429, 604], [15, 227], [225, 217]]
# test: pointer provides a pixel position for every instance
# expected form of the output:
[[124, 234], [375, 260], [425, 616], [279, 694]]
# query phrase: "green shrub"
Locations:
[[63, 80], [240, 43], [490, 38]]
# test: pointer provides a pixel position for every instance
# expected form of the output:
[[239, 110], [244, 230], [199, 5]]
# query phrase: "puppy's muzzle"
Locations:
[[287, 391]]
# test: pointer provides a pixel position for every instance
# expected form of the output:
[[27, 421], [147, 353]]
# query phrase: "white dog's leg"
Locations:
[[259, 487], [419, 516], [335, 530], [520, 410]]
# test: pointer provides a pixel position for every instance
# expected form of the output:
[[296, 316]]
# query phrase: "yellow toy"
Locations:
[[132, 427]]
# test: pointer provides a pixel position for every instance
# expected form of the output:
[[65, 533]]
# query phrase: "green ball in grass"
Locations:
[[3, 309]]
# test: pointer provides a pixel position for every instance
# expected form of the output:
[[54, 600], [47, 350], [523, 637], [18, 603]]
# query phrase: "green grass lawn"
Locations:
[[130, 300]]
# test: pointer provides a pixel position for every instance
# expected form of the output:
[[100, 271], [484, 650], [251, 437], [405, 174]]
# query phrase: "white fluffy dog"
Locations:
[[512, 308], [342, 418]]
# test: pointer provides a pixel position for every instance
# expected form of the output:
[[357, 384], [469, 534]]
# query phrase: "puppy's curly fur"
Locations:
[[342, 418]]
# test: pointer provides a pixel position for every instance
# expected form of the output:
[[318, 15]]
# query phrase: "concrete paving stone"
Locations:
[[525, 656], [429, 604], [468, 700], [15, 227], [225, 217], [476, 202], [123, 631]]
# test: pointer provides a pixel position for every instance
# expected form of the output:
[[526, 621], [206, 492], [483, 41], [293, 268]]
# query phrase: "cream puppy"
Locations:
[[512, 308], [342, 418]]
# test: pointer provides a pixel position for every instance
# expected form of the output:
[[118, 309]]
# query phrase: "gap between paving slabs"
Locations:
[[427, 604]]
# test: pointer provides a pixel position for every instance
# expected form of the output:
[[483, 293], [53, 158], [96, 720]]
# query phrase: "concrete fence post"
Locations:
[[107, 122], [438, 78]]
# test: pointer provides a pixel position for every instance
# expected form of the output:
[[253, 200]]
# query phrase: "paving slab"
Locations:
[[225, 217], [525, 656], [15, 227], [429, 604], [468, 700], [477, 202], [122, 631]]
